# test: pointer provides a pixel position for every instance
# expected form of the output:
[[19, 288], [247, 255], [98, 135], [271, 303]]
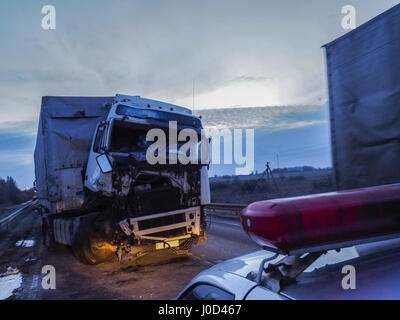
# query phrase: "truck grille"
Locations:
[[162, 221], [155, 201]]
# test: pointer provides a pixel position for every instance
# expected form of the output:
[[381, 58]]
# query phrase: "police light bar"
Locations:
[[324, 221]]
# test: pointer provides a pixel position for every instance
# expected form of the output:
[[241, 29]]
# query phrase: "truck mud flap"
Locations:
[[65, 229]]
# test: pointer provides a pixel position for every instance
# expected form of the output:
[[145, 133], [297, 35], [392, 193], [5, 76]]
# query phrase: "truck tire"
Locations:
[[89, 248]]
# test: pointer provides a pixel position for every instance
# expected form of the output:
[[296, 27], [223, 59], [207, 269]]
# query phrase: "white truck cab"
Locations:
[[125, 205]]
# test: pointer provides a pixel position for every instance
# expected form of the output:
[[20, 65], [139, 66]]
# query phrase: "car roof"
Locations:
[[377, 268], [377, 276]]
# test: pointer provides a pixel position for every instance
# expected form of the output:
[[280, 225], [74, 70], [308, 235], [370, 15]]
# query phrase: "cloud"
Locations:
[[10, 129], [271, 118], [16, 158], [231, 53], [235, 54]]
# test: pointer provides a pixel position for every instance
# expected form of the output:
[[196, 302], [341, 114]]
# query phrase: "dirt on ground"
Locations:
[[21, 248]]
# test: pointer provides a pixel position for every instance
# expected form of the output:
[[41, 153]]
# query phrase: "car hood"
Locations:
[[242, 265]]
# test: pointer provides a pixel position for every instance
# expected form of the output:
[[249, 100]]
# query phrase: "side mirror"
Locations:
[[104, 163]]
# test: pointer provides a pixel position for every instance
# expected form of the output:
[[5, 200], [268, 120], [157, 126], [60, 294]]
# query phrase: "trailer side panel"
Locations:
[[66, 128], [363, 70]]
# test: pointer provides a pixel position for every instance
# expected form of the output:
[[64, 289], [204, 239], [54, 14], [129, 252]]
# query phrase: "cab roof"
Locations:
[[139, 102]]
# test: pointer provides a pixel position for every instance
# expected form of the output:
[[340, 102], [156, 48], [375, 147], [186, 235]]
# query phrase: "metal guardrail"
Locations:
[[5, 222], [225, 210]]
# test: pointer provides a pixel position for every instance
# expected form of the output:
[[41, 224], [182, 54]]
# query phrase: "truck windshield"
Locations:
[[158, 115], [128, 137]]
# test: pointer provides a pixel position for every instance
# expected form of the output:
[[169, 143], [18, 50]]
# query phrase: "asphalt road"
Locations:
[[21, 248]]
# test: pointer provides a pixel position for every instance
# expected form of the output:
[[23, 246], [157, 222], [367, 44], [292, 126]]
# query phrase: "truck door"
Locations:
[[94, 174]]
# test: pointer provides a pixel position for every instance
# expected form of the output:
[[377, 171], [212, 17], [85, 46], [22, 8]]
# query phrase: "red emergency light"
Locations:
[[324, 221]]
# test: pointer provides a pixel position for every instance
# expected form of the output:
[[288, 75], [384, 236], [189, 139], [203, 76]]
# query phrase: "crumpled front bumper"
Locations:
[[149, 227]]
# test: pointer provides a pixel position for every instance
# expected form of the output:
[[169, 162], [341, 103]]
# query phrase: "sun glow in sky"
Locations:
[[237, 94]]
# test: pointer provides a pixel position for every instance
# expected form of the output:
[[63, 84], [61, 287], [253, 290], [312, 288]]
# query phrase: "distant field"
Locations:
[[247, 189]]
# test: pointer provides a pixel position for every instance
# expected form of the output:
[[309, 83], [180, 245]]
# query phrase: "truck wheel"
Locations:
[[88, 247]]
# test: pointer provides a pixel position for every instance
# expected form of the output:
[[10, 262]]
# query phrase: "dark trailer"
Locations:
[[363, 69]]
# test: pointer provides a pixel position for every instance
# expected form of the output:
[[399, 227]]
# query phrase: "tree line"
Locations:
[[11, 194]]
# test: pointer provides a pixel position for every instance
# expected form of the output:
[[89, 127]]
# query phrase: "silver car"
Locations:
[[367, 271]]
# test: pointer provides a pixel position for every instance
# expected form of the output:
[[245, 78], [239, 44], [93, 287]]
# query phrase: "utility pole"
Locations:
[[277, 160], [270, 177]]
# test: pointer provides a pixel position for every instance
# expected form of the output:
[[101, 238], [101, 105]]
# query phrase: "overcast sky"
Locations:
[[232, 53]]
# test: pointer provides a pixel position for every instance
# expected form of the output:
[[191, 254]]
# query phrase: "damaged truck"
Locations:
[[98, 194]]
